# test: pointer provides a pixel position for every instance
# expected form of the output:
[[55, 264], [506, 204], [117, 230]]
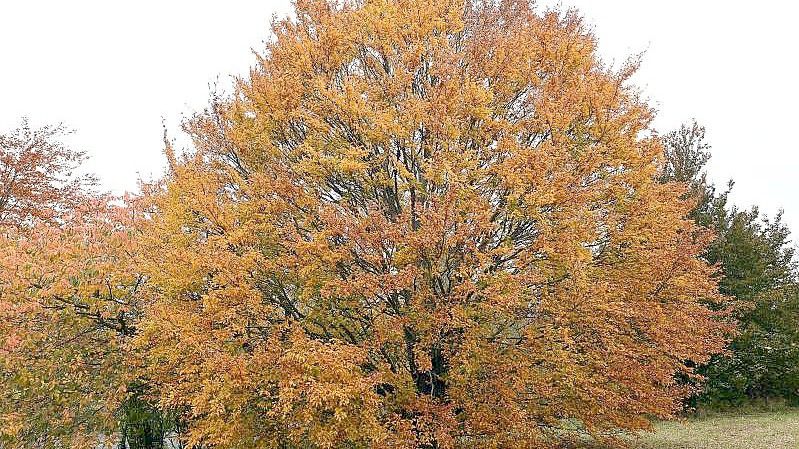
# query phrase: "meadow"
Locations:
[[774, 430]]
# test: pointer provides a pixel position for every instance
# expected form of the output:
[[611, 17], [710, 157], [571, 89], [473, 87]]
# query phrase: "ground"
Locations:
[[776, 430]]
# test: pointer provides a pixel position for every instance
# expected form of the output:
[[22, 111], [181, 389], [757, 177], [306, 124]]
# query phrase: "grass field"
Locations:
[[778, 430]]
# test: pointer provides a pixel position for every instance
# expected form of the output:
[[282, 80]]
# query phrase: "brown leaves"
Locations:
[[69, 300]]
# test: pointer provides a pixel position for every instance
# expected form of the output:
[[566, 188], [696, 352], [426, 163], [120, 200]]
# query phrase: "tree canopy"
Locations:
[[37, 179], [425, 225]]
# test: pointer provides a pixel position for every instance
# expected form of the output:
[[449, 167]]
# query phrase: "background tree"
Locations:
[[424, 225], [67, 306], [37, 175], [69, 302], [758, 269]]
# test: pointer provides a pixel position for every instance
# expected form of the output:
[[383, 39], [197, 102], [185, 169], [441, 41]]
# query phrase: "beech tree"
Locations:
[[424, 225]]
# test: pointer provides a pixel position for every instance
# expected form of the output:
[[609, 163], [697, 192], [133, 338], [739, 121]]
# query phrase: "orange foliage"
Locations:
[[68, 296], [36, 175], [423, 224], [68, 306]]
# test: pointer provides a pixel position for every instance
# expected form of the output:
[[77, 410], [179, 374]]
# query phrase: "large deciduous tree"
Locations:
[[424, 225]]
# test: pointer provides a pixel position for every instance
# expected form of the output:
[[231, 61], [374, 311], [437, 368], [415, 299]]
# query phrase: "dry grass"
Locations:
[[778, 430]]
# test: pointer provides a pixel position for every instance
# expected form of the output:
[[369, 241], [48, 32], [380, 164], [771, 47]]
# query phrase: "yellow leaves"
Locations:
[[308, 389]]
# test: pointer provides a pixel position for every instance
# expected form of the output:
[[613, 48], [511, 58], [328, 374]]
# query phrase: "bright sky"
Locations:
[[113, 70]]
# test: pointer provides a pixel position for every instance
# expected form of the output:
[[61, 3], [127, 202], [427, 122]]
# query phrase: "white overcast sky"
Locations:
[[111, 70]]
